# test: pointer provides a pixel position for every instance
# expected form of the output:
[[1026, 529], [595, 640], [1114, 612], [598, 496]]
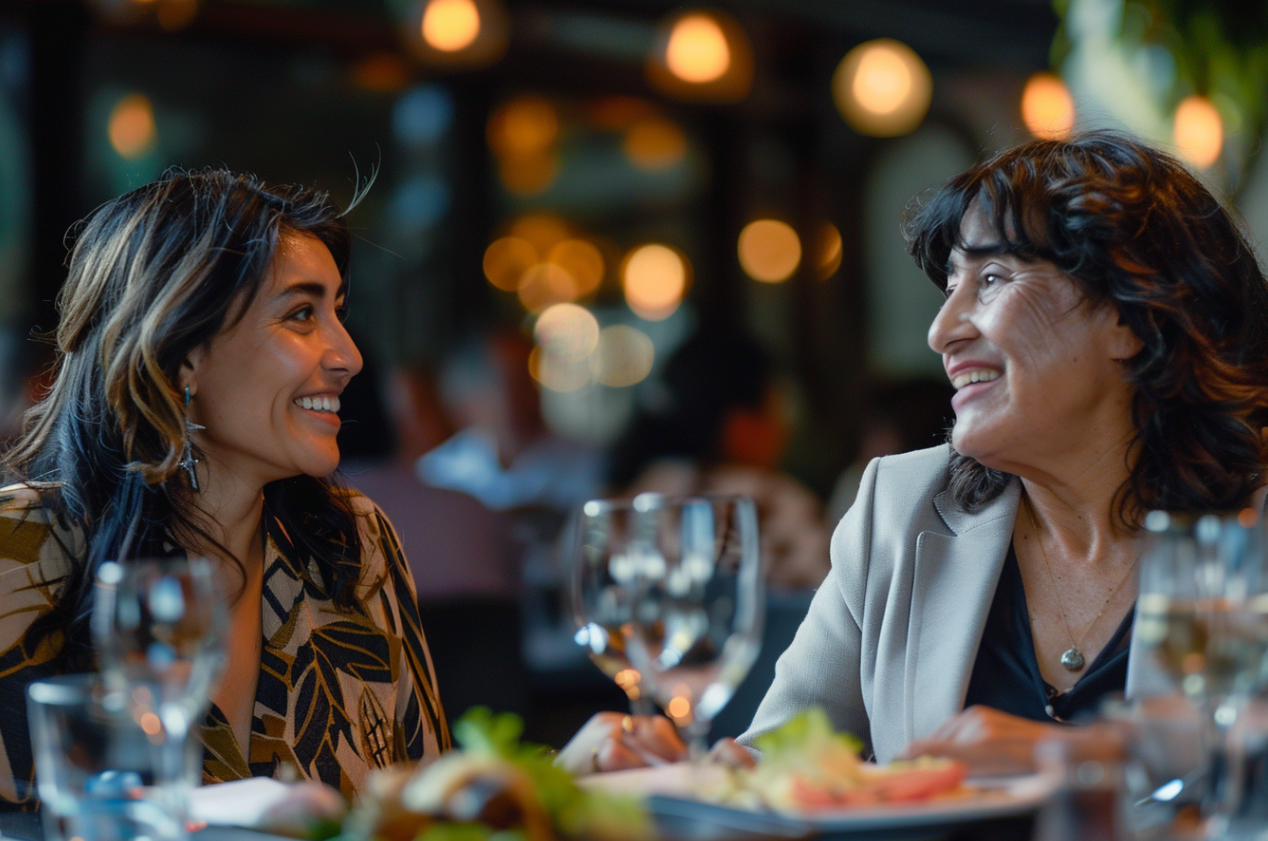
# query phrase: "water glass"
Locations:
[[699, 603], [99, 775]]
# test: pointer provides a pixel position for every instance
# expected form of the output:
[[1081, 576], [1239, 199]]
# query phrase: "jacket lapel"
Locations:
[[953, 584]]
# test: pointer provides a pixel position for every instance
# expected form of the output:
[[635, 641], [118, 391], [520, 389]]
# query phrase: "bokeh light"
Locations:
[[526, 125], [506, 260], [701, 55], [1198, 131], [558, 374], [528, 175], [882, 88], [582, 260], [131, 128], [655, 279], [828, 251], [624, 356], [450, 25], [769, 250], [697, 51], [541, 230], [655, 143], [567, 332], [545, 284], [1047, 108]]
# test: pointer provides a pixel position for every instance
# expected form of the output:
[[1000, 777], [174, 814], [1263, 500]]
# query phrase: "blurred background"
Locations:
[[610, 245]]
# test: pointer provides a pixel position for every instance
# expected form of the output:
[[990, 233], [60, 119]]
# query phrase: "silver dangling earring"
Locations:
[[188, 460]]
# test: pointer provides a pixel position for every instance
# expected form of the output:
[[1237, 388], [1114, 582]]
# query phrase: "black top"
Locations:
[[1006, 673]]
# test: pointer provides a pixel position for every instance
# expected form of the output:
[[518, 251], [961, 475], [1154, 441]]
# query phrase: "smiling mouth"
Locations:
[[976, 375], [323, 404]]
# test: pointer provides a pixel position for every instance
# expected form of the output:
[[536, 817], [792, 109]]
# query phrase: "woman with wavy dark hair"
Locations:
[[194, 408], [1106, 330]]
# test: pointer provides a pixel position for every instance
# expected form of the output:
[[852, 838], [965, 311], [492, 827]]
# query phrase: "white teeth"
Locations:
[[318, 404], [977, 375]]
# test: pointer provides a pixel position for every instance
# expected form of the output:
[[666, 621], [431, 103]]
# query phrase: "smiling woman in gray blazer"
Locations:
[[1106, 329]]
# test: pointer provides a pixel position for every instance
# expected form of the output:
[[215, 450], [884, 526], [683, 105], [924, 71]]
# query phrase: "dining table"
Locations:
[[27, 826]]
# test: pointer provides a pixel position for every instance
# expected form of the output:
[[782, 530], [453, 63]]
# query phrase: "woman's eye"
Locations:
[[303, 314], [341, 313]]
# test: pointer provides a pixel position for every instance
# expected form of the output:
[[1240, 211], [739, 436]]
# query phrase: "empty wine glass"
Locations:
[[698, 604], [601, 592], [1203, 613], [158, 624]]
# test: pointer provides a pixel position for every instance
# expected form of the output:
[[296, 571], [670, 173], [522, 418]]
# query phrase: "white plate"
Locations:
[[670, 788]]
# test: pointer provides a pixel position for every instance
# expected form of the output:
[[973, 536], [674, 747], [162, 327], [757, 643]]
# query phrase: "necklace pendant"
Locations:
[[1073, 659]]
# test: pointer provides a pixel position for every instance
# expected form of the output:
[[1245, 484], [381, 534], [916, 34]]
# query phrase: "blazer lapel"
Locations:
[[952, 587]]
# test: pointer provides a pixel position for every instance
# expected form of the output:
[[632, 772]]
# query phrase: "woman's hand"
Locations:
[[990, 742], [730, 754], [614, 742]]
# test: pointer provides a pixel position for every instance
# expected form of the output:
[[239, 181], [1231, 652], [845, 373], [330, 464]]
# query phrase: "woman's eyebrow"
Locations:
[[314, 288]]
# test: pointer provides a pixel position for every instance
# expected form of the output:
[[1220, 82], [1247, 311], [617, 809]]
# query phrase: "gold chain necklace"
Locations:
[[1073, 659]]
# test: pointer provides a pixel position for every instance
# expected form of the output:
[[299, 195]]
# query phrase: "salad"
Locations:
[[494, 789], [806, 766]]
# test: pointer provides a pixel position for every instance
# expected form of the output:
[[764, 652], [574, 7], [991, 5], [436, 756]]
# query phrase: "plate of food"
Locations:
[[812, 780]]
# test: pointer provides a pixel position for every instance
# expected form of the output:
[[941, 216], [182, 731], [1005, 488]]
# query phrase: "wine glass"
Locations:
[[1203, 613], [698, 605], [158, 624], [601, 592]]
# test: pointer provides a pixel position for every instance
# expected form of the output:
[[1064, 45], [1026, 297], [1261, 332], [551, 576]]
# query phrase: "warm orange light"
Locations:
[[769, 250], [528, 175], [1198, 131], [655, 143], [1047, 107], [527, 125], [627, 678], [545, 284], [624, 357], [582, 260], [882, 88], [450, 25], [567, 332], [382, 72], [131, 128], [174, 15], [697, 50], [557, 374], [679, 709], [829, 251], [654, 278], [151, 724], [506, 260], [541, 230]]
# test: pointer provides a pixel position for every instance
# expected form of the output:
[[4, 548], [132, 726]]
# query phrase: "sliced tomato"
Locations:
[[921, 783]]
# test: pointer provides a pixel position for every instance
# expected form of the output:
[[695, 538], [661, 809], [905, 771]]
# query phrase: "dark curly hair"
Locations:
[[1137, 231]]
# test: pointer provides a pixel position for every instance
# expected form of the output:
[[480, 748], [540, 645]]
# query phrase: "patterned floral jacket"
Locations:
[[340, 693]]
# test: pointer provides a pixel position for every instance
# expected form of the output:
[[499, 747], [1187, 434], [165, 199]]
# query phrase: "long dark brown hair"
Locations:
[[153, 275], [1137, 231]]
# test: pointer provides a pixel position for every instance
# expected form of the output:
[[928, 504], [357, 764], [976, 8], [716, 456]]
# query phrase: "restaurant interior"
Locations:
[[576, 221]]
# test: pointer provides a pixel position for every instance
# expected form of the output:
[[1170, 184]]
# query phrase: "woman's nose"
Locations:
[[343, 354], [953, 322]]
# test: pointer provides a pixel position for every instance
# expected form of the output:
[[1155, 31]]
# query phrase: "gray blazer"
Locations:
[[892, 634]]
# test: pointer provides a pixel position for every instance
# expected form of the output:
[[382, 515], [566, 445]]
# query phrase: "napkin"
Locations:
[[239, 803]]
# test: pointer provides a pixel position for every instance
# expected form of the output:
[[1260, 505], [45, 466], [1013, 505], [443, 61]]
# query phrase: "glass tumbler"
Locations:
[[97, 770]]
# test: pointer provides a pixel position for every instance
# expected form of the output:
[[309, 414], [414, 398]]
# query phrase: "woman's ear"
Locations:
[[187, 377], [1123, 341]]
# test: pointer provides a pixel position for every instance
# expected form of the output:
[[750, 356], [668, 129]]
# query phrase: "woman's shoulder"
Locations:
[[32, 534]]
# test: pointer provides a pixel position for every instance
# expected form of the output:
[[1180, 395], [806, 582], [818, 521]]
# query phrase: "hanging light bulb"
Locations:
[[882, 88], [456, 32], [1198, 131], [1047, 107], [701, 54]]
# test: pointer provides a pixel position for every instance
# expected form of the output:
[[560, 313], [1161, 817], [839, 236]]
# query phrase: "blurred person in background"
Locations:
[[901, 416], [504, 454], [718, 425]]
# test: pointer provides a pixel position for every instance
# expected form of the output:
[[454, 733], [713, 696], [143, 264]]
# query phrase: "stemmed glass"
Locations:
[[158, 624], [1203, 611], [601, 590], [699, 603]]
